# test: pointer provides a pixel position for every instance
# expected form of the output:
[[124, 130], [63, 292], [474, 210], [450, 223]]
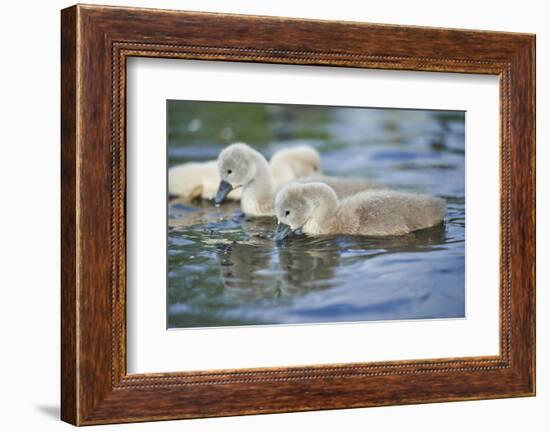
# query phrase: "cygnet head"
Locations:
[[236, 168], [295, 162], [298, 204], [306, 161]]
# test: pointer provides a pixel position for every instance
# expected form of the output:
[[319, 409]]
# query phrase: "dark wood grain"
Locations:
[[69, 367], [96, 41]]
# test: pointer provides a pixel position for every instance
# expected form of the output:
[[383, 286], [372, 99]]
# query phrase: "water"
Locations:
[[225, 270]]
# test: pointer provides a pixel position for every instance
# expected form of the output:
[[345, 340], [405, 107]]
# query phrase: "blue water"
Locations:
[[224, 269]]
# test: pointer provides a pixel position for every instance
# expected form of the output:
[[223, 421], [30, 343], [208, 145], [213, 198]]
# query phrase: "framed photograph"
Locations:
[[264, 215]]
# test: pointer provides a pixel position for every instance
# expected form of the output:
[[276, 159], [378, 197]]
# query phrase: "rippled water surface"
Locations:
[[224, 269]]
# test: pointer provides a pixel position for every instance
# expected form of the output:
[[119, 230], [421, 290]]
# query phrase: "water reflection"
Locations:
[[224, 269], [270, 272]]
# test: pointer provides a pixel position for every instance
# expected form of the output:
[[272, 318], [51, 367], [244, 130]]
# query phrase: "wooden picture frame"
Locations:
[[95, 43]]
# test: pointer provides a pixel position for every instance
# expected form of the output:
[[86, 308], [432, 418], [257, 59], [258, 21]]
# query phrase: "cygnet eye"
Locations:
[[229, 171], [287, 212]]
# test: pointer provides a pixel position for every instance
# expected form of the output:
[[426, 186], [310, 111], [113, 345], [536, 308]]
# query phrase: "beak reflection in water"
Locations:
[[223, 190], [283, 230]]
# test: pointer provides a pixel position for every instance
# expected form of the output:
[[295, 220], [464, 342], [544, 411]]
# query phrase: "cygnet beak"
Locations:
[[283, 230], [223, 190]]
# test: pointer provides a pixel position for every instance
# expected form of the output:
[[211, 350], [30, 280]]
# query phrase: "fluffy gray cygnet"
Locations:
[[316, 210], [201, 179], [239, 165]]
